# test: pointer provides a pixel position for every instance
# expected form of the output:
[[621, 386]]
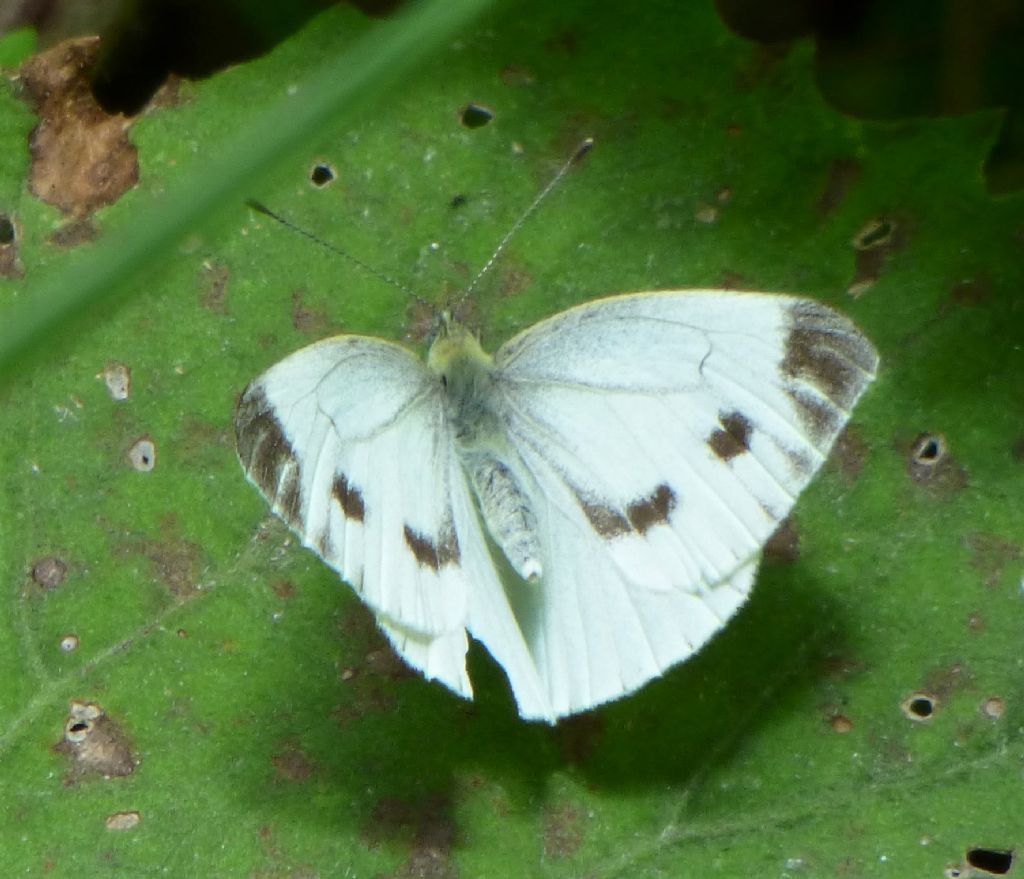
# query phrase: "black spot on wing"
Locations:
[[818, 416], [639, 516], [266, 454], [349, 498], [830, 364], [606, 521], [652, 510], [732, 438], [431, 554]]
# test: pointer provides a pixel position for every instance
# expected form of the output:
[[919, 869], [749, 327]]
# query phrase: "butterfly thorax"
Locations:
[[466, 372], [467, 375]]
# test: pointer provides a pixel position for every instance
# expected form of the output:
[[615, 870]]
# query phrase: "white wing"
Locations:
[[346, 439], [662, 439]]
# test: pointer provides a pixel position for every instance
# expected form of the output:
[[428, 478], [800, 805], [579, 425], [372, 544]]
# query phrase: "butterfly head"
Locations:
[[455, 348], [463, 367]]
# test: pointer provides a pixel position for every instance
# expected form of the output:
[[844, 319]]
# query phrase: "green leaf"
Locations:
[[275, 733]]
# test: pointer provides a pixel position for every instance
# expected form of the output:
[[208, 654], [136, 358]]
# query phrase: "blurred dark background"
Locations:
[[875, 60]]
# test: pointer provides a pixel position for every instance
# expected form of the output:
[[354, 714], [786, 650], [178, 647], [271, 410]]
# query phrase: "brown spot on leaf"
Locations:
[[283, 589], [579, 735], [73, 233], [942, 682], [990, 554], [843, 175], [840, 723], [730, 280], [122, 820], [706, 214], [213, 287], [81, 156], [652, 510], [425, 825], [313, 321], [732, 438], [517, 75], [349, 498], [565, 42], [971, 291], [384, 662], [292, 764], [841, 666], [563, 830], [49, 572], [421, 322], [992, 707], [849, 453], [95, 743], [514, 280], [369, 664], [430, 554], [176, 562], [784, 544]]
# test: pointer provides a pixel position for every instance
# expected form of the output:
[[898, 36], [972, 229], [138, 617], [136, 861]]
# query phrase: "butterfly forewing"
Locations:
[[346, 439]]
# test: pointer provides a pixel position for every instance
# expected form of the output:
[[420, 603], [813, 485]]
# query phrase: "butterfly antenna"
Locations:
[[574, 159], [316, 239]]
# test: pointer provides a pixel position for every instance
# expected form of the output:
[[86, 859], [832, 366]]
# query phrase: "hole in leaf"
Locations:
[[321, 174], [919, 707], [928, 449], [142, 455], [457, 201], [6, 230], [929, 459], [994, 861], [475, 116], [877, 233]]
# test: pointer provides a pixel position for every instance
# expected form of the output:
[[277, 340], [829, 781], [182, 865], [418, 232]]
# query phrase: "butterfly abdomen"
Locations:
[[506, 510]]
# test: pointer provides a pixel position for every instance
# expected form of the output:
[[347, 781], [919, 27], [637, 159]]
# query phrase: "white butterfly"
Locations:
[[628, 457]]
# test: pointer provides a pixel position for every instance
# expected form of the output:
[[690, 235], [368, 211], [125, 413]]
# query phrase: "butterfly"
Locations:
[[590, 502]]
